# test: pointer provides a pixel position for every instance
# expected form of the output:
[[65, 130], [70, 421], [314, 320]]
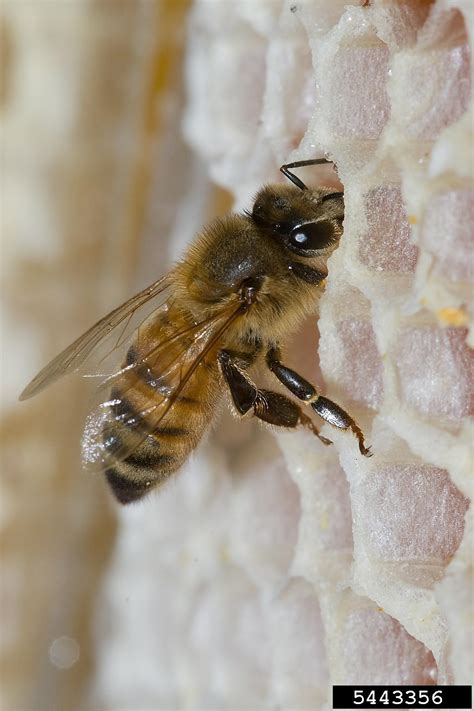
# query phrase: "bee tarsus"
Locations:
[[337, 417]]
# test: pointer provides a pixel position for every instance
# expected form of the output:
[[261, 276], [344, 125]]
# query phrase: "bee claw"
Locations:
[[366, 451]]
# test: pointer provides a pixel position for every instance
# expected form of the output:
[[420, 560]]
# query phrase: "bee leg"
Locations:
[[243, 391], [322, 406], [279, 410], [308, 422], [271, 407]]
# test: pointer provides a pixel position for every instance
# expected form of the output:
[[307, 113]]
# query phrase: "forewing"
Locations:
[[108, 334], [115, 429]]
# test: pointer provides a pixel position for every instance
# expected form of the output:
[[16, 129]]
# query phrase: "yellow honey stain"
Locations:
[[324, 521], [412, 220], [452, 316]]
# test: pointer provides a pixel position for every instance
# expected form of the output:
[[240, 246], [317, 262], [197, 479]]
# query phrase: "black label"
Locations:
[[393, 697]]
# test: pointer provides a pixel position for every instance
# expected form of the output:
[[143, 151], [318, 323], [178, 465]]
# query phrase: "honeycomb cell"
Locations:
[[411, 512], [422, 354], [387, 246], [358, 368], [356, 99], [447, 230], [378, 650], [436, 89]]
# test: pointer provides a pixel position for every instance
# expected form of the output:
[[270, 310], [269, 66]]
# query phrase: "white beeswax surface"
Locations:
[[317, 566], [342, 571]]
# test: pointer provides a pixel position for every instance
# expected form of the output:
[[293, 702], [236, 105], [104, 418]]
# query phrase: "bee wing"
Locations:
[[78, 353], [115, 429]]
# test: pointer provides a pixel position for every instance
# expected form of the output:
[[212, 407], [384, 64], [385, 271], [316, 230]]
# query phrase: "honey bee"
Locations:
[[245, 284]]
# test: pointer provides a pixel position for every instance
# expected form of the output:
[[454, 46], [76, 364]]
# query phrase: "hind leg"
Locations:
[[268, 406], [325, 408]]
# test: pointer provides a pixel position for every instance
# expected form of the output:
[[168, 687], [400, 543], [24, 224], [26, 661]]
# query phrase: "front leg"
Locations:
[[325, 408], [268, 406]]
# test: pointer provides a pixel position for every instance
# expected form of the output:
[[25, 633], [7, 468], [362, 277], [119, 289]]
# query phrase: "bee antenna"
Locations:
[[300, 164], [332, 196]]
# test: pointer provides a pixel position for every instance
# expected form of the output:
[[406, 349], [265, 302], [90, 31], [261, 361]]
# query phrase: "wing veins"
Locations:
[[143, 360], [173, 397], [77, 352], [170, 401]]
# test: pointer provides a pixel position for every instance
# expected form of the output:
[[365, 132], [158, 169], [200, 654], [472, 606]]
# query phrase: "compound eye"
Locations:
[[312, 236]]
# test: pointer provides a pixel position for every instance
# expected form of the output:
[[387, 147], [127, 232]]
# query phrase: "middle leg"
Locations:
[[303, 390]]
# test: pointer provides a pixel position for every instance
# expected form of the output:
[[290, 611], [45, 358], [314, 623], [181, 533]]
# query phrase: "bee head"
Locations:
[[307, 222]]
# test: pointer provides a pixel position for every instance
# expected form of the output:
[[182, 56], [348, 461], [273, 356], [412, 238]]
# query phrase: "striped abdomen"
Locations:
[[157, 419]]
